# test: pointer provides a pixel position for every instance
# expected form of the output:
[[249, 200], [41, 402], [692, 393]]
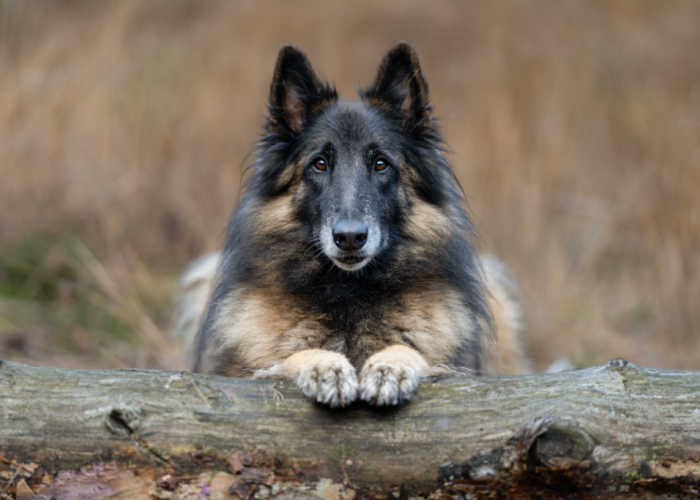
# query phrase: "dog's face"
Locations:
[[350, 174], [350, 164]]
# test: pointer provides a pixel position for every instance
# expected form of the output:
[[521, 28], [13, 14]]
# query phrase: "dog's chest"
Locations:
[[360, 340]]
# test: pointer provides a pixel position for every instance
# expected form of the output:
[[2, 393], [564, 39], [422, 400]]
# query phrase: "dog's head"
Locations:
[[353, 169]]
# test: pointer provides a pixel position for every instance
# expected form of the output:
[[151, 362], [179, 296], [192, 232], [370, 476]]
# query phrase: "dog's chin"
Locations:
[[351, 263]]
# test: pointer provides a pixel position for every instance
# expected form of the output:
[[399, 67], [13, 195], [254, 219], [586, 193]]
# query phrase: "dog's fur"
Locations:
[[347, 266]]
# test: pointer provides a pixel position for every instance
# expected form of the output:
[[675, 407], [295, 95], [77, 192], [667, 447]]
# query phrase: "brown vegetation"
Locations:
[[573, 127]]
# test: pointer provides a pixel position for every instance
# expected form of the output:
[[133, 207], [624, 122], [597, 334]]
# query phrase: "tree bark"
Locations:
[[615, 429]]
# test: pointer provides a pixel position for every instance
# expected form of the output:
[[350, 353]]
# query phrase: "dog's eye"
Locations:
[[320, 164], [380, 164]]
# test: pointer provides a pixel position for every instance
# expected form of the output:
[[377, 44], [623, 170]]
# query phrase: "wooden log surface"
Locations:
[[617, 428]]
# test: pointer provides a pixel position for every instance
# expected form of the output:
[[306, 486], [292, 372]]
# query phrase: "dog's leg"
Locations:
[[391, 376], [325, 376]]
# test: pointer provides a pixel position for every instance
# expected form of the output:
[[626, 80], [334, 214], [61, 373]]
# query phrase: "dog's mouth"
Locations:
[[350, 262]]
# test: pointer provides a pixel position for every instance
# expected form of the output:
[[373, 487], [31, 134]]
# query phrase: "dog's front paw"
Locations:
[[329, 378], [391, 376], [388, 384]]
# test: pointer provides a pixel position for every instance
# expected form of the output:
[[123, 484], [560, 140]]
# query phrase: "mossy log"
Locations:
[[615, 429]]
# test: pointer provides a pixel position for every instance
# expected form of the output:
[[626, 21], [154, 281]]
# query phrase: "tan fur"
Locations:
[[291, 175], [276, 215], [396, 355], [505, 354], [427, 223], [266, 327], [425, 316], [263, 327]]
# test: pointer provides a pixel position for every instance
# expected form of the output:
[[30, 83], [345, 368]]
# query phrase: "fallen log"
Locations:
[[615, 429]]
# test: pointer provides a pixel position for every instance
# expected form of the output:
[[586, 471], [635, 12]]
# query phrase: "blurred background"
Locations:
[[574, 128]]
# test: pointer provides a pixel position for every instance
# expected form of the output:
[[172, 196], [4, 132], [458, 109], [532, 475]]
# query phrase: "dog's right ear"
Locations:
[[296, 93]]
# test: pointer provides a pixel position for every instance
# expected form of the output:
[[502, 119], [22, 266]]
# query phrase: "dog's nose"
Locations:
[[350, 235]]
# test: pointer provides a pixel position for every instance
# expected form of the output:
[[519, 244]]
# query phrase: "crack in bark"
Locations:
[[124, 422]]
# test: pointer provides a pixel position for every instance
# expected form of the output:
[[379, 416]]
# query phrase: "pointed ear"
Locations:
[[400, 87], [296, 93]]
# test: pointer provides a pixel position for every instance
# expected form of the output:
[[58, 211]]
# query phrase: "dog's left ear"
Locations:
[[400, 87], [296, 93]]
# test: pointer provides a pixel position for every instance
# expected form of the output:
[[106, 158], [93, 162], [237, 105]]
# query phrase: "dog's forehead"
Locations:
[[351, 125]]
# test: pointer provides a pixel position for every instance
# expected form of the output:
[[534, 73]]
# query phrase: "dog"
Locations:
[[348, 265]]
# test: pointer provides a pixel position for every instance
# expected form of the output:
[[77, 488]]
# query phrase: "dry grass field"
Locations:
[[574, 128]]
